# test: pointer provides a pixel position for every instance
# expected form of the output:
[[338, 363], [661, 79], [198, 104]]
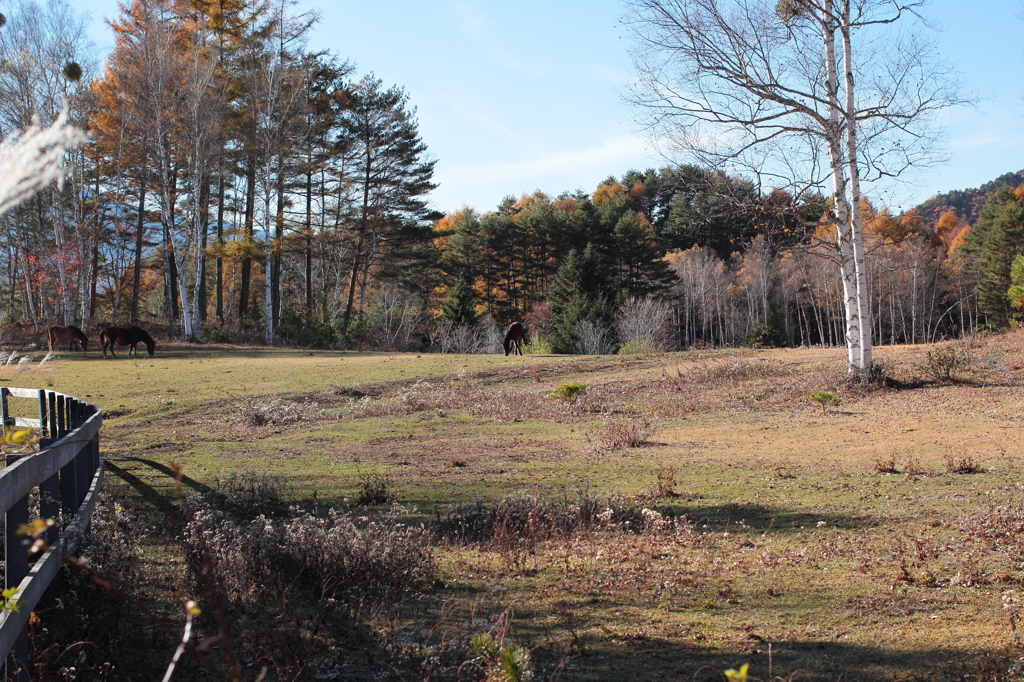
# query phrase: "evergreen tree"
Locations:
[[639, 258], [460, 306], [990, 247], [581, 290]]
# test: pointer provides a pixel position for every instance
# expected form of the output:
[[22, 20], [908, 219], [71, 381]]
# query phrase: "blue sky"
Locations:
[[514, 97]]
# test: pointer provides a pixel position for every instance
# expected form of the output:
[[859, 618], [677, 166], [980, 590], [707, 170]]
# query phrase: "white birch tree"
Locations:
[[805, 94]]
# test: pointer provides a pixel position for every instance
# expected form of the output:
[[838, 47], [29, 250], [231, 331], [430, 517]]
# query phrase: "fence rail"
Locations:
[[67, 472]]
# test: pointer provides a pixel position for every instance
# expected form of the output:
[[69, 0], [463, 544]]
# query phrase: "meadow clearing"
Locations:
[[688, 513]]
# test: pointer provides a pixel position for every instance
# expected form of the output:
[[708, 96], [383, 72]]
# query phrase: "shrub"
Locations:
[[251, 494], [570, 392], [537, 345], [636, 347], [460, 338], [393, 320], [666, 487], [886, 466], [339, 554], [256, 411], [375, 489], [735, 370], [826, 399], [642, 325], [769, 332], [594, 338], [951, 363], [962, 464], [298, 330], [627, 433], [516, 523]]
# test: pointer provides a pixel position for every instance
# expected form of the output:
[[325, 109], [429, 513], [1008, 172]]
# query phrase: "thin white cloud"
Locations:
[[612, 154], [471, 19]]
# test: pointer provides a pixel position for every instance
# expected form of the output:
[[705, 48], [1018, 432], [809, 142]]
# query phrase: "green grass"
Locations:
[[781, 497]]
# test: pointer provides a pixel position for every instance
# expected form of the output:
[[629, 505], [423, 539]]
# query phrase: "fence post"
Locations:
[[49, 499], [52, 401], [16, 556], [4, 411], [43, 431], [62, 413]]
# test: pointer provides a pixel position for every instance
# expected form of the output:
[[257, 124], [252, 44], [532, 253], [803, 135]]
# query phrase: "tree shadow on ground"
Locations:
[[661, 660]]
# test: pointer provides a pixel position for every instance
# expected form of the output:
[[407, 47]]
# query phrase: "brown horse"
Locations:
[[68, 335], [126, 336], [513, 338]]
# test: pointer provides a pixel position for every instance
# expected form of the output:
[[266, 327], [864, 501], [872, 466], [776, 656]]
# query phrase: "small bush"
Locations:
[[952, 363], [826, 399], [736, 370], [886, 466], [256, 411], [515, 524], [339, 554], [643, 325], [636, 347], [297, 330], [570, 392], [594, 338], [769, 332], [375, 489], [537, 345], [962, 464], [417, 397], [666, 483], [251, 494], [627, 433], [913, 467]]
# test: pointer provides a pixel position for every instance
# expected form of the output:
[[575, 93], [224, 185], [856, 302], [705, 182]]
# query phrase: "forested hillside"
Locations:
[[966, 203]]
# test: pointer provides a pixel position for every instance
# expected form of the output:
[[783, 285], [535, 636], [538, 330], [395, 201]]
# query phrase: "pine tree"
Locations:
[[990, 247], [581, 290], [460, 306]]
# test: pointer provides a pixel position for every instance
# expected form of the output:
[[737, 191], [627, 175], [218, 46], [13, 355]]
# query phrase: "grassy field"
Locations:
[[879, 539]]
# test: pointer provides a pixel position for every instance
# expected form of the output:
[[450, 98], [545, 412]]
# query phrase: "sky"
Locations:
[[515, 97]]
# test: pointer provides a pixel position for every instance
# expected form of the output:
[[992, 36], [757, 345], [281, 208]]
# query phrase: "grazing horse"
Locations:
[[126, 336], [513, 338], [69, 335]]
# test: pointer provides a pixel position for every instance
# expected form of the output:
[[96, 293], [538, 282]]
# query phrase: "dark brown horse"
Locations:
[[126, 336], [68, 335], [513, 339]]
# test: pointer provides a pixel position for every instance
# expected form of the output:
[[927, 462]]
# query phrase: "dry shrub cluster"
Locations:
[[735, 370], [420, 396], [952, 363], [1000, 527], [257, 411], [375, 489], [510, 405], [516, 524], [962, 464], [96, 603], [627, 432], [255, 554], [505, 404]]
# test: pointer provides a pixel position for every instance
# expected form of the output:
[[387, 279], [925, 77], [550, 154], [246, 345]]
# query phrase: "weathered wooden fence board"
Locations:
[[69, 467]]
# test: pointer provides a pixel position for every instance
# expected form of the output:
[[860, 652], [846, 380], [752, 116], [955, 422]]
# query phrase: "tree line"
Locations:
[[238, 186], [235, 184]]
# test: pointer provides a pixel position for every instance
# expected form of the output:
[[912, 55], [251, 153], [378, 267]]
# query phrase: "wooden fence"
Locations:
[[66, 475]]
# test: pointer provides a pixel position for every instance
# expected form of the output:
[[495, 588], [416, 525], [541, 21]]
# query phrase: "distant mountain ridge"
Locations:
[[966, 203]]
